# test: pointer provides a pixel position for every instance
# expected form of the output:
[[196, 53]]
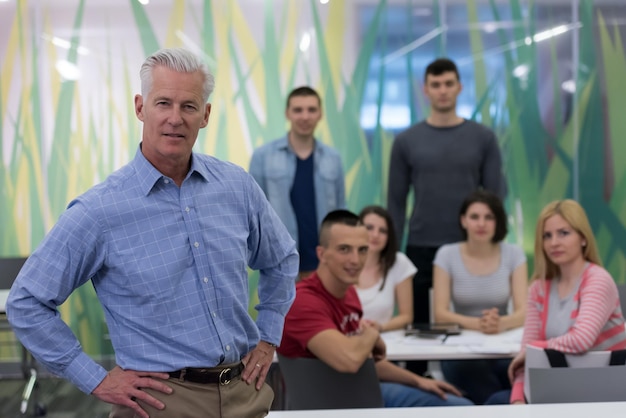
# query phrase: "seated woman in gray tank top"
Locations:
[[478, 277]]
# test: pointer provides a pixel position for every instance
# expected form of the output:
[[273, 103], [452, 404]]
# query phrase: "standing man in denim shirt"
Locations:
[[301, 177]]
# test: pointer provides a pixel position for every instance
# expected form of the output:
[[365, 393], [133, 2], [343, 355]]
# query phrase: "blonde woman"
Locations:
[[573, 304]]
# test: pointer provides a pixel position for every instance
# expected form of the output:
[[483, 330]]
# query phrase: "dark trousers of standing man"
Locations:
[[423, 258]]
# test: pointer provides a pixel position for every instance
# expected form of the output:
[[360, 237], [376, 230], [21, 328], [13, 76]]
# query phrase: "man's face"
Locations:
[[344, 256], [304, 112], [442, 91], [172, 114]]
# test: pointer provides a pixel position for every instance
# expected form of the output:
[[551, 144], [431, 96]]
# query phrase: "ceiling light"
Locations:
[[521, 71], [569, 86], [547, 34], [68, 70], [305, 42]]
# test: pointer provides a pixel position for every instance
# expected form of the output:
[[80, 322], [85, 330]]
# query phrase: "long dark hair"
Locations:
[[388, 254]]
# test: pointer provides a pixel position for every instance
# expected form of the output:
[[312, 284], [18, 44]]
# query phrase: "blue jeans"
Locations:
[[502, 397], [396, 395], [477, 379]]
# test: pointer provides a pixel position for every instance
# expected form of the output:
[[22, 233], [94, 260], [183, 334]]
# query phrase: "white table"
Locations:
[[468, 345], [571, 410]]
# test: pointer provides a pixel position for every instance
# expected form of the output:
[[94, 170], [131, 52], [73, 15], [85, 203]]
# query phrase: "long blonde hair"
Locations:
[[575, 215]]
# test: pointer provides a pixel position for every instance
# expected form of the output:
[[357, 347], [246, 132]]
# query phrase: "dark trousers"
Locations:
[[423, 258], [478, 380]]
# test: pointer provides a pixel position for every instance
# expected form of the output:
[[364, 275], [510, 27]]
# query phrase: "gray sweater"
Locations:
[[443, 165]]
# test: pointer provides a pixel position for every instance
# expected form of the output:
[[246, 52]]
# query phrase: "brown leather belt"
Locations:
[[223, 375]]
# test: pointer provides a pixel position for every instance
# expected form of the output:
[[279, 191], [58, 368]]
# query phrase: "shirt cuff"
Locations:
[[270, 326], [539, 344], [517, 392], [85, 373]]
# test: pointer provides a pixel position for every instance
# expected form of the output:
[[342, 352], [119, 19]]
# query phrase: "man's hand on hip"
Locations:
[[258, 362], [124, 387]]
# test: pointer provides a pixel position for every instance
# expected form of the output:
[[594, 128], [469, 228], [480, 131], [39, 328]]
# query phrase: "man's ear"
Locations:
[[207, 112], [319, 250], [139, 106]]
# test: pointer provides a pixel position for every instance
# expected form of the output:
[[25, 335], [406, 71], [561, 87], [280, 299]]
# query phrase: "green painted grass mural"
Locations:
[[61, 136]]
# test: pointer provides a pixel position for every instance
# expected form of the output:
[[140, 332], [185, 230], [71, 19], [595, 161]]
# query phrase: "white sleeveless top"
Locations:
[[378, 305]]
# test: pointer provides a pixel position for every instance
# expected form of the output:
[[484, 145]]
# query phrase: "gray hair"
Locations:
[[180, 60]]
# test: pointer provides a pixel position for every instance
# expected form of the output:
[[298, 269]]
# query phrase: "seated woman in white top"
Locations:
[[480, 276], [387, 278]]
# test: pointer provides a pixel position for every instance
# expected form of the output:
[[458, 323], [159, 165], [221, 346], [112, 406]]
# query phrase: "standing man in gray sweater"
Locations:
[[444, 158]]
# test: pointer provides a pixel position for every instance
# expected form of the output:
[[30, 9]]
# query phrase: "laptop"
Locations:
[[432, 330]]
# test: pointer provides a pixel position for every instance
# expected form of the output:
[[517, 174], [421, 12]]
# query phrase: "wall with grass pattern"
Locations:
[[69, 71]]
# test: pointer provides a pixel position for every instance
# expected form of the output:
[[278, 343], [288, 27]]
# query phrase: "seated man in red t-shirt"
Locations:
[[325, 320]]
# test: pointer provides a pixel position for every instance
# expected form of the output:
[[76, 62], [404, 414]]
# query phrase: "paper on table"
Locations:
[[492, 349], [411, 340], [465, 339], [469, 337], [395, 335], [512, 336]]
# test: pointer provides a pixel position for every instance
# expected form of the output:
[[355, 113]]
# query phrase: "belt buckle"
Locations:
[[223, 375]]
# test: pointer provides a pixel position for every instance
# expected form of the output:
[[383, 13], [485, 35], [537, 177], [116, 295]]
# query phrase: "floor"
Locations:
[[59, 398]]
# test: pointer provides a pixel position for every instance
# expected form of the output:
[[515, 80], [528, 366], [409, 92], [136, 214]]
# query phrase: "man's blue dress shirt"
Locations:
[[169, 266]]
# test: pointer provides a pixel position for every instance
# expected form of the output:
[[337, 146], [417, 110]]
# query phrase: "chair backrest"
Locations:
[[9, 268], [621, 290], [311, 384]]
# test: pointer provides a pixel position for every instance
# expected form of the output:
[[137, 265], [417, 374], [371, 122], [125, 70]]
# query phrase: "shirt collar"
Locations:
[[149, 175], [283, 144]]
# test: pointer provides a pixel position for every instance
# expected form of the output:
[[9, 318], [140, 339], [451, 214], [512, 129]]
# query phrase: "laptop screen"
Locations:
[[9, 269]]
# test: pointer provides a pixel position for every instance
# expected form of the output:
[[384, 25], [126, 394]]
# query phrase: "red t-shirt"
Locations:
[[315, 310]]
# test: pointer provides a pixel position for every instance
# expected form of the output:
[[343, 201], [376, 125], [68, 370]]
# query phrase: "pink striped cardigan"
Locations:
[[599, 323]]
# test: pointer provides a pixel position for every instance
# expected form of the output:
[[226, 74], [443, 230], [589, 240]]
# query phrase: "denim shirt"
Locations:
[[273, 166]]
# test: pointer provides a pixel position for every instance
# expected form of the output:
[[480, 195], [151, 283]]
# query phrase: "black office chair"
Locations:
[[311, 384], [9, 269], [621, 291]]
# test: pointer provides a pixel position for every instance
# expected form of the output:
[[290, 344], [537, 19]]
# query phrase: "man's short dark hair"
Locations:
[[337, 217], [440, 66], [303, 91]]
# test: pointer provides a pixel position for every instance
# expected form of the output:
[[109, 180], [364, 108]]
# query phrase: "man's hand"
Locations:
[[258, 362], [490, 321], [437, 387], [379, 352], [124, 387], [370, 323], [517, 363]]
